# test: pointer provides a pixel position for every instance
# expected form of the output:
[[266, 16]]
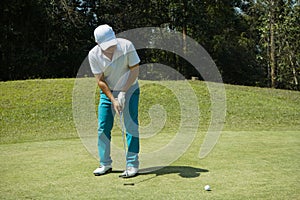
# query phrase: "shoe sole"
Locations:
[[106, 172]]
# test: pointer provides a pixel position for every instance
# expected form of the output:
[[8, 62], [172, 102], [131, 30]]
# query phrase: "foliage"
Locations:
[[51, 38], [277, 26], [41, 39]]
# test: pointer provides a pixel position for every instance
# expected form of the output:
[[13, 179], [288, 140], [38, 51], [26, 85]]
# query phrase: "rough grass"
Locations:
[[36, 110], [256, 156]]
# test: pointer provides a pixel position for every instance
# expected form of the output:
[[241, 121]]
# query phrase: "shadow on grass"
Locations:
[[183, 171]]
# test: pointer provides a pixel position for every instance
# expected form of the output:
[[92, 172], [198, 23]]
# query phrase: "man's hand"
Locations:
[[121, 99], [105, 89], [117, 106]]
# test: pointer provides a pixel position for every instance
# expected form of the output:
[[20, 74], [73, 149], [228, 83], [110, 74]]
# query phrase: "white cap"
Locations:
[[105, 36]]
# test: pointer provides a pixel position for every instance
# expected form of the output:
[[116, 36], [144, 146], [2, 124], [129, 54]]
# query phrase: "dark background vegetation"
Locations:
[[252, 42]]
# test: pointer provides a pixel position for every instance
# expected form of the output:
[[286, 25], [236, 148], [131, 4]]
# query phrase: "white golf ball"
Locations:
[[207, 187]]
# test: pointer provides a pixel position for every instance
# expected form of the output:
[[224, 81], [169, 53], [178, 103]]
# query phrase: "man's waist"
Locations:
[[134, 86]]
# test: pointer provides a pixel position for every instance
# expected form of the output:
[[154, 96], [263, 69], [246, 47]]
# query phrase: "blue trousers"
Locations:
[[106, 115]]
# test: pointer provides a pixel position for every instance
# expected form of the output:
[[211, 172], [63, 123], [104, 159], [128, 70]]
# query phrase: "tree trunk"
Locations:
[[294, 70], [184, 31], [184, 38], [272, 47]]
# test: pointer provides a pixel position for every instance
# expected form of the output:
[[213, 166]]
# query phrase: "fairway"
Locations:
[[256, 157]]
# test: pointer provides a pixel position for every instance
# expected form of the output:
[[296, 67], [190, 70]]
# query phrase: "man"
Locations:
[[115, 64]]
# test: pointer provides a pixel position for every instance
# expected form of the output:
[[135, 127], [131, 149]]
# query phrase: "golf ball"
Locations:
[[207, 187]]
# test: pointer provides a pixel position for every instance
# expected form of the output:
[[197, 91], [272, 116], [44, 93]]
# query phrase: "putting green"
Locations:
[[244, 165]]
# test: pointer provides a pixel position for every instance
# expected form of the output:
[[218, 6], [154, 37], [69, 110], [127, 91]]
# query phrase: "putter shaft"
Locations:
[[123, 138]]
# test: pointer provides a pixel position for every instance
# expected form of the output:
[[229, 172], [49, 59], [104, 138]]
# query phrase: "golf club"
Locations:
[[138, 182], [124, 142]]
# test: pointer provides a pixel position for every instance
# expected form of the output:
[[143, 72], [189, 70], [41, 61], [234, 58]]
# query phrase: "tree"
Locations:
[[41, 39], [252, 42], [278, 41], [289, 46]]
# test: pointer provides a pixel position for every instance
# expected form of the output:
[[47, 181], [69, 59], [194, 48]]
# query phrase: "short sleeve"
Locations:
[[94, 64], [132, 56]]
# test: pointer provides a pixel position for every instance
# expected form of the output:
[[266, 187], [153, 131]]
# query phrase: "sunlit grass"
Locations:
[[256, 156]]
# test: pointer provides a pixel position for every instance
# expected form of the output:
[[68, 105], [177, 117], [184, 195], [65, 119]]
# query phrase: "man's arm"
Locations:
[[106, 90], [134, 73]]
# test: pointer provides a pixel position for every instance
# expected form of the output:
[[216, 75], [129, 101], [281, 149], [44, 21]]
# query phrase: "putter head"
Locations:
[[125, 174]]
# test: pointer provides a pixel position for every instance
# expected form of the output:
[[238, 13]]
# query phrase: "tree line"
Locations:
[[252, 42]]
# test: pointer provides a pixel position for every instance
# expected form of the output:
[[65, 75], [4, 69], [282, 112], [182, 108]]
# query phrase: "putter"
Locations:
[[124, 142]]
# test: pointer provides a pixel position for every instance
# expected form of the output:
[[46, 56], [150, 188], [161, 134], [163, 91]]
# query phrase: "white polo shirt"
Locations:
[[116, 71]]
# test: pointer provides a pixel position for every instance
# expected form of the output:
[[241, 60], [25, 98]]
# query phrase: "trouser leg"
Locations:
[[105, 124], [132, 127]]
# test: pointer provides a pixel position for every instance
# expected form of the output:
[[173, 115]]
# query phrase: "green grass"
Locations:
[[36, 110], [256, 157]]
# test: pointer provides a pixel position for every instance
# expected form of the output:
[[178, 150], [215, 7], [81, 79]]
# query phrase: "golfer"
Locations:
[[115, 64]]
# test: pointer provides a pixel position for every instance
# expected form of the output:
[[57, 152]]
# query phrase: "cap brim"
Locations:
[[107, 44]]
